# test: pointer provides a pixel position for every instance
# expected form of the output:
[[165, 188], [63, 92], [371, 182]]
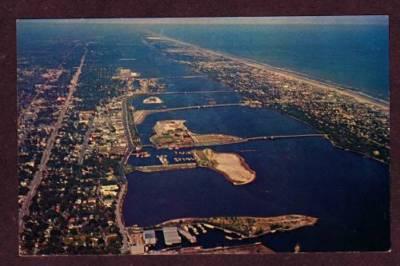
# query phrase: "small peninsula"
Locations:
[[247, 226], [231, 165], [175, 134]]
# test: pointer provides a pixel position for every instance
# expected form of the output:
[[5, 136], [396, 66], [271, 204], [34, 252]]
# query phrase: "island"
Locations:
[[231, 165], [152, 100], [174, 134], [247, 226]]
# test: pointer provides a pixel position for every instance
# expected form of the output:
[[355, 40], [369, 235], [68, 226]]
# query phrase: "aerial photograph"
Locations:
[[229, 135]]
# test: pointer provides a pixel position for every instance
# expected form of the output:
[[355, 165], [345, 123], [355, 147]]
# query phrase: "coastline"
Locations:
[[224, 223], [290, 74], [119, 208], [359, 96], [93, 181], [244, 165], [214, 160], [331, 141]]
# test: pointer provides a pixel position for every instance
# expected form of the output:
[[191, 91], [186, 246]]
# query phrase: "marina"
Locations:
[[177, 143]]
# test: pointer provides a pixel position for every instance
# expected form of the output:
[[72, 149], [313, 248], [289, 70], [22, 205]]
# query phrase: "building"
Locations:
[[149, 237], [171, 236]]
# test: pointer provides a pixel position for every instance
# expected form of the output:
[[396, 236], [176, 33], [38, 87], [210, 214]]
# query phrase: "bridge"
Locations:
[[270, 137], [273, 137], [243, 140], [140, 115], [177, 77], [138, 93], [191, 92], [196, 107]]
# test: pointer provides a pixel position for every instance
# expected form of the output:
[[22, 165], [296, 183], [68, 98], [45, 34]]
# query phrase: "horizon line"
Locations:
[[315, 20]]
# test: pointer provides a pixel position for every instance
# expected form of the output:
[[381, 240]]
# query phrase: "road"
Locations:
[[37, 179], [124, 185], [127, 127], [21, 117], [86, 141], [119, 219], [126, 117]]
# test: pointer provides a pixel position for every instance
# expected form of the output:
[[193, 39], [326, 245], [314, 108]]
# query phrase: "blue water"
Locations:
[[347, 192], [238, 121], [354, 56], [179, 100]]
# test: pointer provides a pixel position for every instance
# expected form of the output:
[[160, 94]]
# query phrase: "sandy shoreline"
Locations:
[[231, 165], [289, 74], [226, 172]]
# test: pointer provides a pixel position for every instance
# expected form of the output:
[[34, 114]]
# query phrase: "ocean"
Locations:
[[347, 192], [353, 56]]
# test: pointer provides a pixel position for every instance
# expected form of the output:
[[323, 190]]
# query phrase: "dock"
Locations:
[[192, 239]]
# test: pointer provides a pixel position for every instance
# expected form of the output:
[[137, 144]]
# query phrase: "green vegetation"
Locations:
[[203, 158]]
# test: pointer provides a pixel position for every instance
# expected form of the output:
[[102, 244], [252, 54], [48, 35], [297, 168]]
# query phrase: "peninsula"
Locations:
[[96, 176], [175, 134], [231, 165], [352, 120], [247, 226]]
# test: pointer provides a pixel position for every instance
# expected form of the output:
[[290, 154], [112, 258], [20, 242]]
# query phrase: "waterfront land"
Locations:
[[78, 131], [174, 134], [352, 120], [231, 165], [152, 100], [250, 226], [256, 248]]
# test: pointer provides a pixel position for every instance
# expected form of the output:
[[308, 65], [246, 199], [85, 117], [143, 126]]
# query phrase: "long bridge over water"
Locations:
[[141, 93], [140, 115], [242, 140], [291, 136], [196, 107], [189, 92]]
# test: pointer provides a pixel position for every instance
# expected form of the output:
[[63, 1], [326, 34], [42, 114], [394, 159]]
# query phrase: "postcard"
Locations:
[[235, 135]]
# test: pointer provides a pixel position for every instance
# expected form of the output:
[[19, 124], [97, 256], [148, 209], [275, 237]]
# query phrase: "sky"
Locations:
[[231, 20]]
